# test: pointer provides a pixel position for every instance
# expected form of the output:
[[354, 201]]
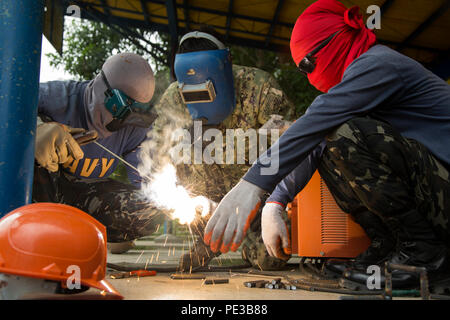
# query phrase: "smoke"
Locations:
[[158, 164]]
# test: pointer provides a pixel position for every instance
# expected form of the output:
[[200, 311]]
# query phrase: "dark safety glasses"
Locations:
[[308, 63]]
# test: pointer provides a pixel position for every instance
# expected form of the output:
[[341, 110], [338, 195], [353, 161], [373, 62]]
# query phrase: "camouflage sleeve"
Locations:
[[273, 100]]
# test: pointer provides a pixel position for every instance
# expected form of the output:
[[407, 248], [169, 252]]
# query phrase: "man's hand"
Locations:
[[233, 216], [275, 233], [55, 145]]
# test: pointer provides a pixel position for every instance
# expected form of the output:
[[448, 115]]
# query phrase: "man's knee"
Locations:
[[358, 130], [362, 140], [348, 132]]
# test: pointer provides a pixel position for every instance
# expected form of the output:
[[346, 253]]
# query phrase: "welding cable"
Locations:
[[317, 272], [304, 285], [328, 285], [311, 270]]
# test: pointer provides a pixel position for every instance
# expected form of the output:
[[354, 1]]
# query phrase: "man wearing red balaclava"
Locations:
[[317, 23], [378, 136]]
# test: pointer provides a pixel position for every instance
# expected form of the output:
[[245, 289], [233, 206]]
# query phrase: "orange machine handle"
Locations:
[[143, 273]]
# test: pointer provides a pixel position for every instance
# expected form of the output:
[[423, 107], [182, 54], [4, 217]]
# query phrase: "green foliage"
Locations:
[[88, 44], [297, 87]]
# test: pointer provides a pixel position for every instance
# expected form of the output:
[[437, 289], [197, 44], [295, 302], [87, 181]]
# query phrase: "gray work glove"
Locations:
[[228, 225], [55, 145]]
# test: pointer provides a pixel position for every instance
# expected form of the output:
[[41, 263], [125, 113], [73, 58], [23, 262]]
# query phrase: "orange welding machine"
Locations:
[[319, 228]]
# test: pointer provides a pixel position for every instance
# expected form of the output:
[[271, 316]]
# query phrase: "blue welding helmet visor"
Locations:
[[206, 84]]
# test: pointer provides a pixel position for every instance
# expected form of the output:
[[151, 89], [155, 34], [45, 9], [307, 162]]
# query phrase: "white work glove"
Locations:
[[233, 216], [275, 233], [55, 145]]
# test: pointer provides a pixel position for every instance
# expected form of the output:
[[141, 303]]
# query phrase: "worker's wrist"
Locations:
[[276, 202]]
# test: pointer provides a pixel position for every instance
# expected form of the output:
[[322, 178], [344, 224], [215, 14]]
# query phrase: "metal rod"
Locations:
[[143, 175]]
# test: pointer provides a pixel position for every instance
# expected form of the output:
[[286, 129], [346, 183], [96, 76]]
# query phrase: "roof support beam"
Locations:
[[171, 7], [386, 5], [224, 13], [145, 12], [433, 17], [229, 16], [187, 21], [274, 21], [106, 8]]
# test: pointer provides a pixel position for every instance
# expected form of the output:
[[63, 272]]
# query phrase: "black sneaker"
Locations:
[[381, 246], [433, 257], [377, 253]]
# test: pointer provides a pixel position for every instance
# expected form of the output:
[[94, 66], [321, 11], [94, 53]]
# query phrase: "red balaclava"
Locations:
[[318, 22]]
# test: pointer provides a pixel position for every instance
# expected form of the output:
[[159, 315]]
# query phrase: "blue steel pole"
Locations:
[[21, 24]]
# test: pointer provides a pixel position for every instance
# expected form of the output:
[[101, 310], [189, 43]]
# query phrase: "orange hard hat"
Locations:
[[47, 240]]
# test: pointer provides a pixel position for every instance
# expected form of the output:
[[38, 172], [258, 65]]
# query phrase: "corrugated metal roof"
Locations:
[[415, 27]]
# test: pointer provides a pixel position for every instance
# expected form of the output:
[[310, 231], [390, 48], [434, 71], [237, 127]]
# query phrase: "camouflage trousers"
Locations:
[[367, 165], [254, 250], [118, 206]]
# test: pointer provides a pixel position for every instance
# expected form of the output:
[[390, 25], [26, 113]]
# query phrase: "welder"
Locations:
[[379, 136], [115, 105], [210, 89]]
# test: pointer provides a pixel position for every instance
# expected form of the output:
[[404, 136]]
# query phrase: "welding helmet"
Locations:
[[205, 81], [43, 245], [130, 85]]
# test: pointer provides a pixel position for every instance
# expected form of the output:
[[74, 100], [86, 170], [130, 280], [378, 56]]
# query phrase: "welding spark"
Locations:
[[166, 193], [140, 256]]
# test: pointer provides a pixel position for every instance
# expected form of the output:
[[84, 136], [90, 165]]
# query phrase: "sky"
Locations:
[[48, 72]]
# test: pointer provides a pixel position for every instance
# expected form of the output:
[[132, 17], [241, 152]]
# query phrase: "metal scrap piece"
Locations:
[[187, 276]]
